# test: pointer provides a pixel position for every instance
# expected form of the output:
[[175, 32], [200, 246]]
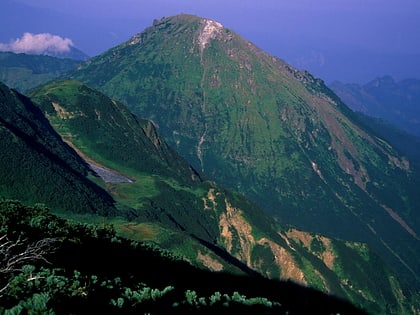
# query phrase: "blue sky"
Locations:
[[306, 33]]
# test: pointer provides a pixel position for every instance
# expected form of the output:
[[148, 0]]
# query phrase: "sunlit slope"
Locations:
[[257, 125], [168, 203]]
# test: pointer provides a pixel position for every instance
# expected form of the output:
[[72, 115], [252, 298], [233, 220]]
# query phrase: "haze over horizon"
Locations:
[[351, 41]]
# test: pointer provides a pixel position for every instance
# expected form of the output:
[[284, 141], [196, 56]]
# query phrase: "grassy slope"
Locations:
[[37, 167], [24, 72], [162, 203], [255, 124]]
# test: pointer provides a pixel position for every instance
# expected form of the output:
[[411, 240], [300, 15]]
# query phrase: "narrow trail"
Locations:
[[203, 110]]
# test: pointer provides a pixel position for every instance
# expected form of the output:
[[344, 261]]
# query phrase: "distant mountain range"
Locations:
[[73, 53], [391, 109], [385, 98], [339, 203], [23, 72]]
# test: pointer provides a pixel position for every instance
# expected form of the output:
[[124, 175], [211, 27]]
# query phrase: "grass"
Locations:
[[131, 194]]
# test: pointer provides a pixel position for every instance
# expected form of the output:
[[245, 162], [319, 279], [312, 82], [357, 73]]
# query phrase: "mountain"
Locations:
[[166, 201], [23, 72], [78, 268], [407, 143], [73, 53], [278, 135], [36, 166], [396, 102]]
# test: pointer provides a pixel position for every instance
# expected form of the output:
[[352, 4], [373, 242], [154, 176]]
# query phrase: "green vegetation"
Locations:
[[277, 135], [136, 278], [24, 72], [237, 114], [36, 166], [108, 133]]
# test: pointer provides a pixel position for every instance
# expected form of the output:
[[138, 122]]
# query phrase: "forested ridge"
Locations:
[[38, 166], [89, 269]]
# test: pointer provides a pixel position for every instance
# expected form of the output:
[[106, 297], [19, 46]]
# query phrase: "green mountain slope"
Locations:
[[106, 131], [255, 124], [168, 203], [36, 166], [23, 72]]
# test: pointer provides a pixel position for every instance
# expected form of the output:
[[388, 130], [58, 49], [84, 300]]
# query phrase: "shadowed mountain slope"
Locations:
[[91, 270], [385, 98], [36, 166]]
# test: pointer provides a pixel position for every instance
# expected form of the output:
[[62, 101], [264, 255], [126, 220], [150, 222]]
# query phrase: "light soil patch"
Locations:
[[304, 237], [327, 256], [209, 262], [210, 202], [209, 32], [289, 268], [63, 114], [233, 225]]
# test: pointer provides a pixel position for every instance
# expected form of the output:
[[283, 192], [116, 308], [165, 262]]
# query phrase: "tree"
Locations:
[[16, 253]]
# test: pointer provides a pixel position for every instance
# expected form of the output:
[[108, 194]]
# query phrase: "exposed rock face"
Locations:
[[209, 31]]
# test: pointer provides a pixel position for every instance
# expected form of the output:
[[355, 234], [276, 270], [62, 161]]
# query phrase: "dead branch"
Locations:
[[16, 253]]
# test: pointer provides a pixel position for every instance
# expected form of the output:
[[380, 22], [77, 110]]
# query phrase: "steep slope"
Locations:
[[37, 167], [407, 143], [101, 126], [137, 278], [396, 102], [257, 125], [168, 203], [389, 108]]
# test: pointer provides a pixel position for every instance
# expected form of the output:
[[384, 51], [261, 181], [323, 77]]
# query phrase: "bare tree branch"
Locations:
[[15, 254]]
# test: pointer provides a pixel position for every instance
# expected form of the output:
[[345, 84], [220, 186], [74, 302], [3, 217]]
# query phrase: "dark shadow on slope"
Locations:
[[107, 259]]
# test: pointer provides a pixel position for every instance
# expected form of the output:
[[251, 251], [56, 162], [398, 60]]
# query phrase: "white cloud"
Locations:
[[43, 43]]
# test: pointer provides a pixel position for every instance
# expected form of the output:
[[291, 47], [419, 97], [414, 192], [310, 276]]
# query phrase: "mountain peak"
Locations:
[[210, 30], [207, 29], [257, 125]]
